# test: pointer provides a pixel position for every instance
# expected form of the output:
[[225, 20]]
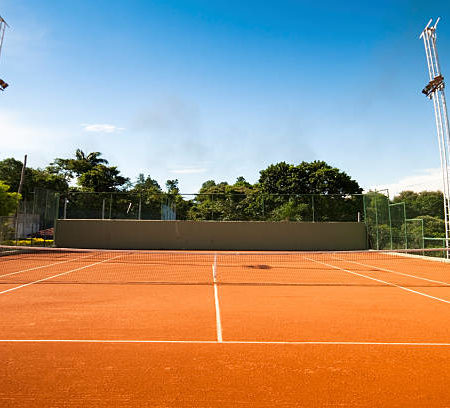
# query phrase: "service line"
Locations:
[[59, 274], [380, 280], [396, 272]]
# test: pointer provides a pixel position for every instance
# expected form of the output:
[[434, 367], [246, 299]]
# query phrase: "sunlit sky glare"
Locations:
[[214, 89]]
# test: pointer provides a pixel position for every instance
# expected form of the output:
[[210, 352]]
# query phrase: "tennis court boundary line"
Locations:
[[55, 276], [382, 281], [397, 272], [230, 342]]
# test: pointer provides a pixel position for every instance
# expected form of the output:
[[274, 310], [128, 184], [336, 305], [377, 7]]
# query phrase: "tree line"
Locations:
[[309, 191]]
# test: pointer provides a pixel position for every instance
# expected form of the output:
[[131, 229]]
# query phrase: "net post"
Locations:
[[110, 205], [103, 208]]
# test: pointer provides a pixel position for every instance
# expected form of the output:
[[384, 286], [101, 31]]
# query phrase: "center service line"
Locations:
[[216, 301]]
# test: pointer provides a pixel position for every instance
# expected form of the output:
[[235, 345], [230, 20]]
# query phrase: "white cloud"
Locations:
[[100, 128], [188, 170], [424, 180]]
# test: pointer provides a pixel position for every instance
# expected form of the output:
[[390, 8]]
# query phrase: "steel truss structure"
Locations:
[[3, 25], [435, 91]]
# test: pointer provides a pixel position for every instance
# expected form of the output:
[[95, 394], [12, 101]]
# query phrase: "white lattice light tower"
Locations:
[[3, 25], [435, 91]]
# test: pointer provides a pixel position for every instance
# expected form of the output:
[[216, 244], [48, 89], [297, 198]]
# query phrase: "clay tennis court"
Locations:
[[171, 329]]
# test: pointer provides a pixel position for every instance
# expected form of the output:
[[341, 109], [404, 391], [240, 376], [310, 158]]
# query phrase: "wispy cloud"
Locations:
[[188, 170], [100, 128], [424, 180]]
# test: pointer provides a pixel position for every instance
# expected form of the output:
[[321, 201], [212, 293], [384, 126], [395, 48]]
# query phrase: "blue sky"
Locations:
[[200, 90]]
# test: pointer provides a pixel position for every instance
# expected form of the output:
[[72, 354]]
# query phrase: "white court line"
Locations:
[[396, 272], [216, 301], [59, 274], [43, 266], [382, 281], [294, 343]]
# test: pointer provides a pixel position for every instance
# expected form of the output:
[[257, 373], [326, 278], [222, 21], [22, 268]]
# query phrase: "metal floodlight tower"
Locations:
[[435, 91], [3, 25]]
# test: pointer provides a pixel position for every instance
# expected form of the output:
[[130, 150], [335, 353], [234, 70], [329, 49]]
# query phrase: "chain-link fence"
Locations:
[[387, 225], [208, 207]]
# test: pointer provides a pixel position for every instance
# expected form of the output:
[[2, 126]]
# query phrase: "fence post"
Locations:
[[140, 207], [103, 208], [65, 208]]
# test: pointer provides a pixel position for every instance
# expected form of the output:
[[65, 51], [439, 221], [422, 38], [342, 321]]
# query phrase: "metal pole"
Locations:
[[313, 209], [110, 206], [435, 91], [390, 225], [65, 208], [263, 209], [103, 208], [376, 221], [140, 207], [19, 191], [406, 230]]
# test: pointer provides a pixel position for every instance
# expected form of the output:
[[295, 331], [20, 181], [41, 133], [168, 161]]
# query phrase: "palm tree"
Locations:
[[92, 158]]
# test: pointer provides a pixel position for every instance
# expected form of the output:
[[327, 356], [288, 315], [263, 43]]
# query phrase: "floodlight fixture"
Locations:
[[435, 91], [3, 26]]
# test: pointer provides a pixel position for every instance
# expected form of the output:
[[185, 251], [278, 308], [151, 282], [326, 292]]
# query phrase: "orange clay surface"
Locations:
[[144, 344]]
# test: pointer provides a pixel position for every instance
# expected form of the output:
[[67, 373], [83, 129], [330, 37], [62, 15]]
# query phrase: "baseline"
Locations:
[[299, 343]]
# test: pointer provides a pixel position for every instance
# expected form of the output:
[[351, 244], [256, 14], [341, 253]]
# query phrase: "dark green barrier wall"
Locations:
[[237, 235]]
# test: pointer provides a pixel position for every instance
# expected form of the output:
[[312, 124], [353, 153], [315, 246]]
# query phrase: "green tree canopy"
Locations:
[[8, 200], [316, 177], [91, 172], [10, 171], [101, 178], [172, 186], [82, 163], [420, 204], [146, 184]]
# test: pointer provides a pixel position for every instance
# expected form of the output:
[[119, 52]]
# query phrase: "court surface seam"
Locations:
[[224, 342], [380, 280], [55, 276]]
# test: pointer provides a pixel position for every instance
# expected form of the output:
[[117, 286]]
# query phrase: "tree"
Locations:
[[222, 201], [10, 171], [146, 184], [288, 191], [150, 194], [78, 166], [8, 201], [101, 178], [420, 204], [172, 186], [316, 177], [91, 172]]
